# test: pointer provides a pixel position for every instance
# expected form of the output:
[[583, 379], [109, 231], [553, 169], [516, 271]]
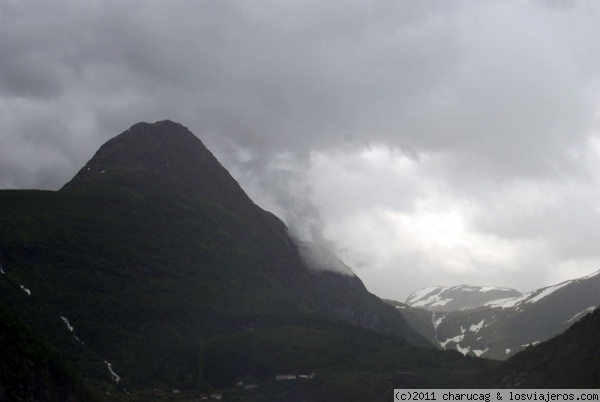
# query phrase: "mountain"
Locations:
[[462, 297], [151, 253], [500, 328], [569, 360], [151, 275]]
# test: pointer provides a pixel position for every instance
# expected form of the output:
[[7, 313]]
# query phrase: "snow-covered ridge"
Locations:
[[489, 330], [461, 297], [536, 295], [419, 295]]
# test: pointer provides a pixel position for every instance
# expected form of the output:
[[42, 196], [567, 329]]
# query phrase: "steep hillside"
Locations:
[[30, 370], [150, 250], [500, 328], [569, 360]]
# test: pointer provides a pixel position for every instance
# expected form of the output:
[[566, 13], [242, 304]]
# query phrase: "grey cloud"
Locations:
[[480, 95]]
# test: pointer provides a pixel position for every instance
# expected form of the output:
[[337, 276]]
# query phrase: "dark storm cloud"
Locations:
[[488, 101]]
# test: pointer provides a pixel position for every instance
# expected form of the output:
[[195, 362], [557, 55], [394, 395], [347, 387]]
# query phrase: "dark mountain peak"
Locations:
[[162, 157], [151, 249], [157, 139], [162, 148]]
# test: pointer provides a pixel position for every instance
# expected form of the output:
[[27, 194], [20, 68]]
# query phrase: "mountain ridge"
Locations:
[[150, 274], [153, 240], [498, 329], [460, 297]]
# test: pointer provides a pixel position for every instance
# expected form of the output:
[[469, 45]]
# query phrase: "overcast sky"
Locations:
[[430, 142]]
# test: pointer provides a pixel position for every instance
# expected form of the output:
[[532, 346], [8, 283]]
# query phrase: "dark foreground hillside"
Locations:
[[151, 253], [30, 370], [569, 360]]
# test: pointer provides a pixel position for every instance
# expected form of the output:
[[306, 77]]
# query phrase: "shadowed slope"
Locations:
[[153, 247]]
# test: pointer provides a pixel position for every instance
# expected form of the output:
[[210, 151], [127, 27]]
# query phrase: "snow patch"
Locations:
[[25, 290], [507, 350], [67, 323], [508, 302], [437, 322], [440, 302], [580, 315], [1, 270], [418, 299], [102, 171], [70, 328], [485, 289], [547, 291], [479, 352], [462, 330], [464, 351], [476, 328], [419, 294], [455, 339], [115, 376]]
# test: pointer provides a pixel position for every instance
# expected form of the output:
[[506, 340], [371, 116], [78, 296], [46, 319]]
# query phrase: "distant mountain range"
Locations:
[[496, 323]]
